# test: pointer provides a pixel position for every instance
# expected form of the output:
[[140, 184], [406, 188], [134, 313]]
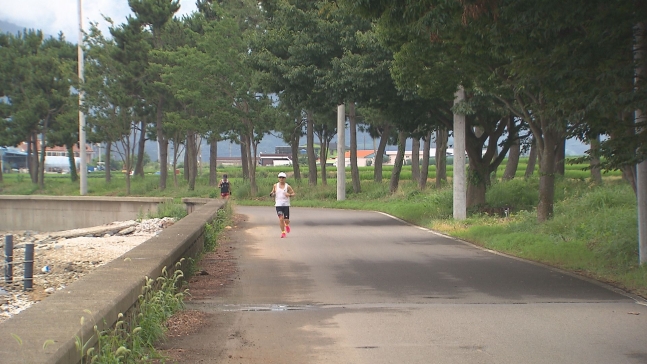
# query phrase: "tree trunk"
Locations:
[[41, 165], [532, 159], [127, 183], [127, 158], [399, 161], [478, 176], [514, 153], [108, 160], [32, 157], [481, 145], [213, 162], [415, 159], [192, 152], [596, 172], [442, 137], [629, 175], [327, 142], [495, 170], [294, 147], [551, 140], [424, 173], [379, 155], [74, 176], [175, 158], [139, 167], [243, 159], [198, 155], [185, 170], [513, 162], [312, 159], [477, 182], [323, 152], [253, 187], [163, 144], [354, 170]]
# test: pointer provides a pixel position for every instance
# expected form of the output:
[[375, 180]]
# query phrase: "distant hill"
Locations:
[[364, 141], [267, 145], [6, 27]]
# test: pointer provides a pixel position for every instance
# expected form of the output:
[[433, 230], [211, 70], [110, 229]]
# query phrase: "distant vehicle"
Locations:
[[60, 164], [282, 162]]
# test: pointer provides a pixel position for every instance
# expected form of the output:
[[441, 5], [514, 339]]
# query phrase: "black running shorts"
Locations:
[[284, 211]]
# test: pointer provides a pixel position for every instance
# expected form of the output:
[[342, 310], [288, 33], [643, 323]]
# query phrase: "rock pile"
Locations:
[[62, 257]]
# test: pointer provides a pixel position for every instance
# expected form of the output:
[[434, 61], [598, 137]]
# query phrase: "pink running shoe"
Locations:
[[287, 228], [282, 235]]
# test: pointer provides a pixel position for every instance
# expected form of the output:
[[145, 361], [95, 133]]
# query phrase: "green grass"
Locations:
[[593, 231], [132, 339]]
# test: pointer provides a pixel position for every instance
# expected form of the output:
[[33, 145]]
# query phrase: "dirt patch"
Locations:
[[216, 270], [184, 323]]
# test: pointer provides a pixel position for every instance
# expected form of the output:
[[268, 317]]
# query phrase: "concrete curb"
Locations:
[[56, 213]]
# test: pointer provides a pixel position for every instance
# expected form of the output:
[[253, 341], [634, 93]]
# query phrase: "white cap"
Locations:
[[282, 174]]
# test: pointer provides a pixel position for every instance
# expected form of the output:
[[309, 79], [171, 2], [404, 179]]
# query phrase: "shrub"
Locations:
[[519, 194], [170, 209]]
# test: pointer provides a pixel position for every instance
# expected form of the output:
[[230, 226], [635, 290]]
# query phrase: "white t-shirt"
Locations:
[[281, 195]]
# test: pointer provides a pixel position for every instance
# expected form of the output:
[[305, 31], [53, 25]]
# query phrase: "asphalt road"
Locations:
[[364, 287]]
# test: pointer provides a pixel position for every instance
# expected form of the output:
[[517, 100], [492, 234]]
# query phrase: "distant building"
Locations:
[[275, 159], [288, 149], [407, 154], [12, 159], [364, 158], [283, 150], [229, 161], [56, 159], [60, 151]]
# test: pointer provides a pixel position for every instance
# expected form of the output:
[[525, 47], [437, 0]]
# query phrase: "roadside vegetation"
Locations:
[[134, 336], [593, 231]]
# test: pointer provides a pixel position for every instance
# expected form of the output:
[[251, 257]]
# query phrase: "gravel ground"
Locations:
[[62, 257]]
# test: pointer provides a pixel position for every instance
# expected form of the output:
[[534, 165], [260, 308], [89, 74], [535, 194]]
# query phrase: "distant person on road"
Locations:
[[225, 187], [282, 192]]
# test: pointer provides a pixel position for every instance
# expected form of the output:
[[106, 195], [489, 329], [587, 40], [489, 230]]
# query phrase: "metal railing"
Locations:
[[9, 263]]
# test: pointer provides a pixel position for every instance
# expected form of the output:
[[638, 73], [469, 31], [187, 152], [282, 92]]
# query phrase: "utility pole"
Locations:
[[341, 153], [641, 168], [82, 154], [460, 194]]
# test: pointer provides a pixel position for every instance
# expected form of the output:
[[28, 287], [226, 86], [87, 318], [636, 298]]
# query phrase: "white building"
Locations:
[[407, 155]]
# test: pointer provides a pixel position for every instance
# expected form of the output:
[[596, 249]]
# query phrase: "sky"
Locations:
[[54, 16]]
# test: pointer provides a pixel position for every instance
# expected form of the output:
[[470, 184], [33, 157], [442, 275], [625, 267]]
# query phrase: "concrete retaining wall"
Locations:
[[100, 296], [55, 213]]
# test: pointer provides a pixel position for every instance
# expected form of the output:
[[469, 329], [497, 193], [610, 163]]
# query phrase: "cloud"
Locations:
[[54, 16]]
